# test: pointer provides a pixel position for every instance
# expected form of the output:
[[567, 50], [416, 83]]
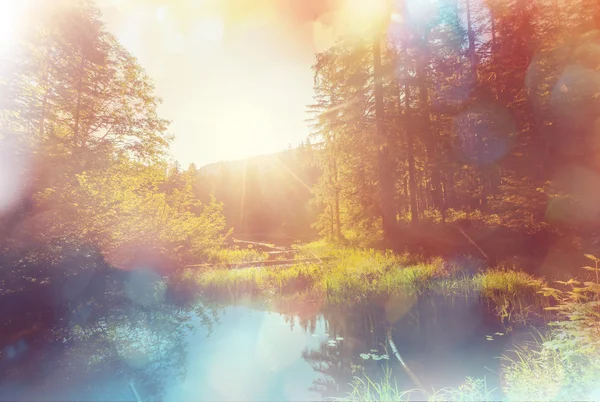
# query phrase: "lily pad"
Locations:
[[365, 356]]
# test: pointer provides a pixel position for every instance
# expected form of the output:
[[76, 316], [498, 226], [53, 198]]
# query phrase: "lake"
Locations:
[[254, 351]]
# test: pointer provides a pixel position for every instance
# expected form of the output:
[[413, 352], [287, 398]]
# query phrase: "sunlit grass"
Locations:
[[502, 281], [239, 282], [533, 372], [237, 256], [386, 389], [564, 363], [353, 275], [318, 249], [542, 370]]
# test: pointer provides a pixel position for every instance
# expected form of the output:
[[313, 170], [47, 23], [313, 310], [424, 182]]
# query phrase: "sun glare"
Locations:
[[208, 32], [10, 14], [360, 15], [367, 9]]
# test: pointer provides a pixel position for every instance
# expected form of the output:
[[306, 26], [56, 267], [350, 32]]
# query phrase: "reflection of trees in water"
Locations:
[[114, 335], [362, 329], [425, 330], [335, 363], [144, 344]]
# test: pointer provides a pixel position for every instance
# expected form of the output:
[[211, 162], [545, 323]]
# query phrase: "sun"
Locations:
[[367, 9], [10, 15], [359, 16], [208, 32]]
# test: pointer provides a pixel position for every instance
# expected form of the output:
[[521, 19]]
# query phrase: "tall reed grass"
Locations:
[[353, 275], [564, 363]]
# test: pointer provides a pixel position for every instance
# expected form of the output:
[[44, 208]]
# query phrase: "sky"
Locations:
[[234, 75]]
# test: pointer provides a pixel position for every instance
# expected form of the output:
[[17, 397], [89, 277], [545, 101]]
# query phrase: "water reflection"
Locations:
[[442, 340], [96, 351], [194, 352], [252, 355]]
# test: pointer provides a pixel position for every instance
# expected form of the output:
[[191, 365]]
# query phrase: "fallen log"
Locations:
[[268, 263], [261, 244]]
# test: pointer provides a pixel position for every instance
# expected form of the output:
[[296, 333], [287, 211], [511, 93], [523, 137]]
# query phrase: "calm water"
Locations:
[[252, 352]]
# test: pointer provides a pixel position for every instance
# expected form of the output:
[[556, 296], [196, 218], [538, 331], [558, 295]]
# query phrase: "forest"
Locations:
[[450, 180]]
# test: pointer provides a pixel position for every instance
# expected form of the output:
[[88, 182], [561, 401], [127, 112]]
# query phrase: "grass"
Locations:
[[237, 256], [513, 293], [386, 390], [543, 371], [564, 363], [354, 275], [254, 281]]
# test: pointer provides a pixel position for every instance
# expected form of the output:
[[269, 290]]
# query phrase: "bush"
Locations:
[[565, 363]]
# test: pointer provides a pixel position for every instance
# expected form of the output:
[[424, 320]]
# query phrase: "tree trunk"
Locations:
[[331, 228], [46, 88], [335, 183], [471, 35], [77, 114], [429, 136], [411, 188], [388, 218], [338, 225], [410, 157], [495, 52], [451, 196]]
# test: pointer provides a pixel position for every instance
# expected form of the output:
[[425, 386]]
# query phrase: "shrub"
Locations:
[[565, 363]]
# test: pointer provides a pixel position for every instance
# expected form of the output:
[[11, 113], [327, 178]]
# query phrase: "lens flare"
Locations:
[[11, 12]]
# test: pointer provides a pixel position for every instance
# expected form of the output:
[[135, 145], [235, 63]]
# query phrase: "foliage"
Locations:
[[564, 364], [487, 116], [237, 256], [82, 128]]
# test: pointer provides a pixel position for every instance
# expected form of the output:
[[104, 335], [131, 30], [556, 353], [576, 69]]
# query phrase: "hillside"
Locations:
[[265, 197]]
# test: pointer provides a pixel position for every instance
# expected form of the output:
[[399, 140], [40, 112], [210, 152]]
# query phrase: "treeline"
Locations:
[[475, 112], [84, 165], [265, 197]]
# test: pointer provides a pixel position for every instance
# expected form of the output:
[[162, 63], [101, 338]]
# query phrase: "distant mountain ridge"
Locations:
[[264, 195], [238, 165]]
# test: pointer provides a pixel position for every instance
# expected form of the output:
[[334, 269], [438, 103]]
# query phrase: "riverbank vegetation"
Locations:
[[349, 275], [561, 362]]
